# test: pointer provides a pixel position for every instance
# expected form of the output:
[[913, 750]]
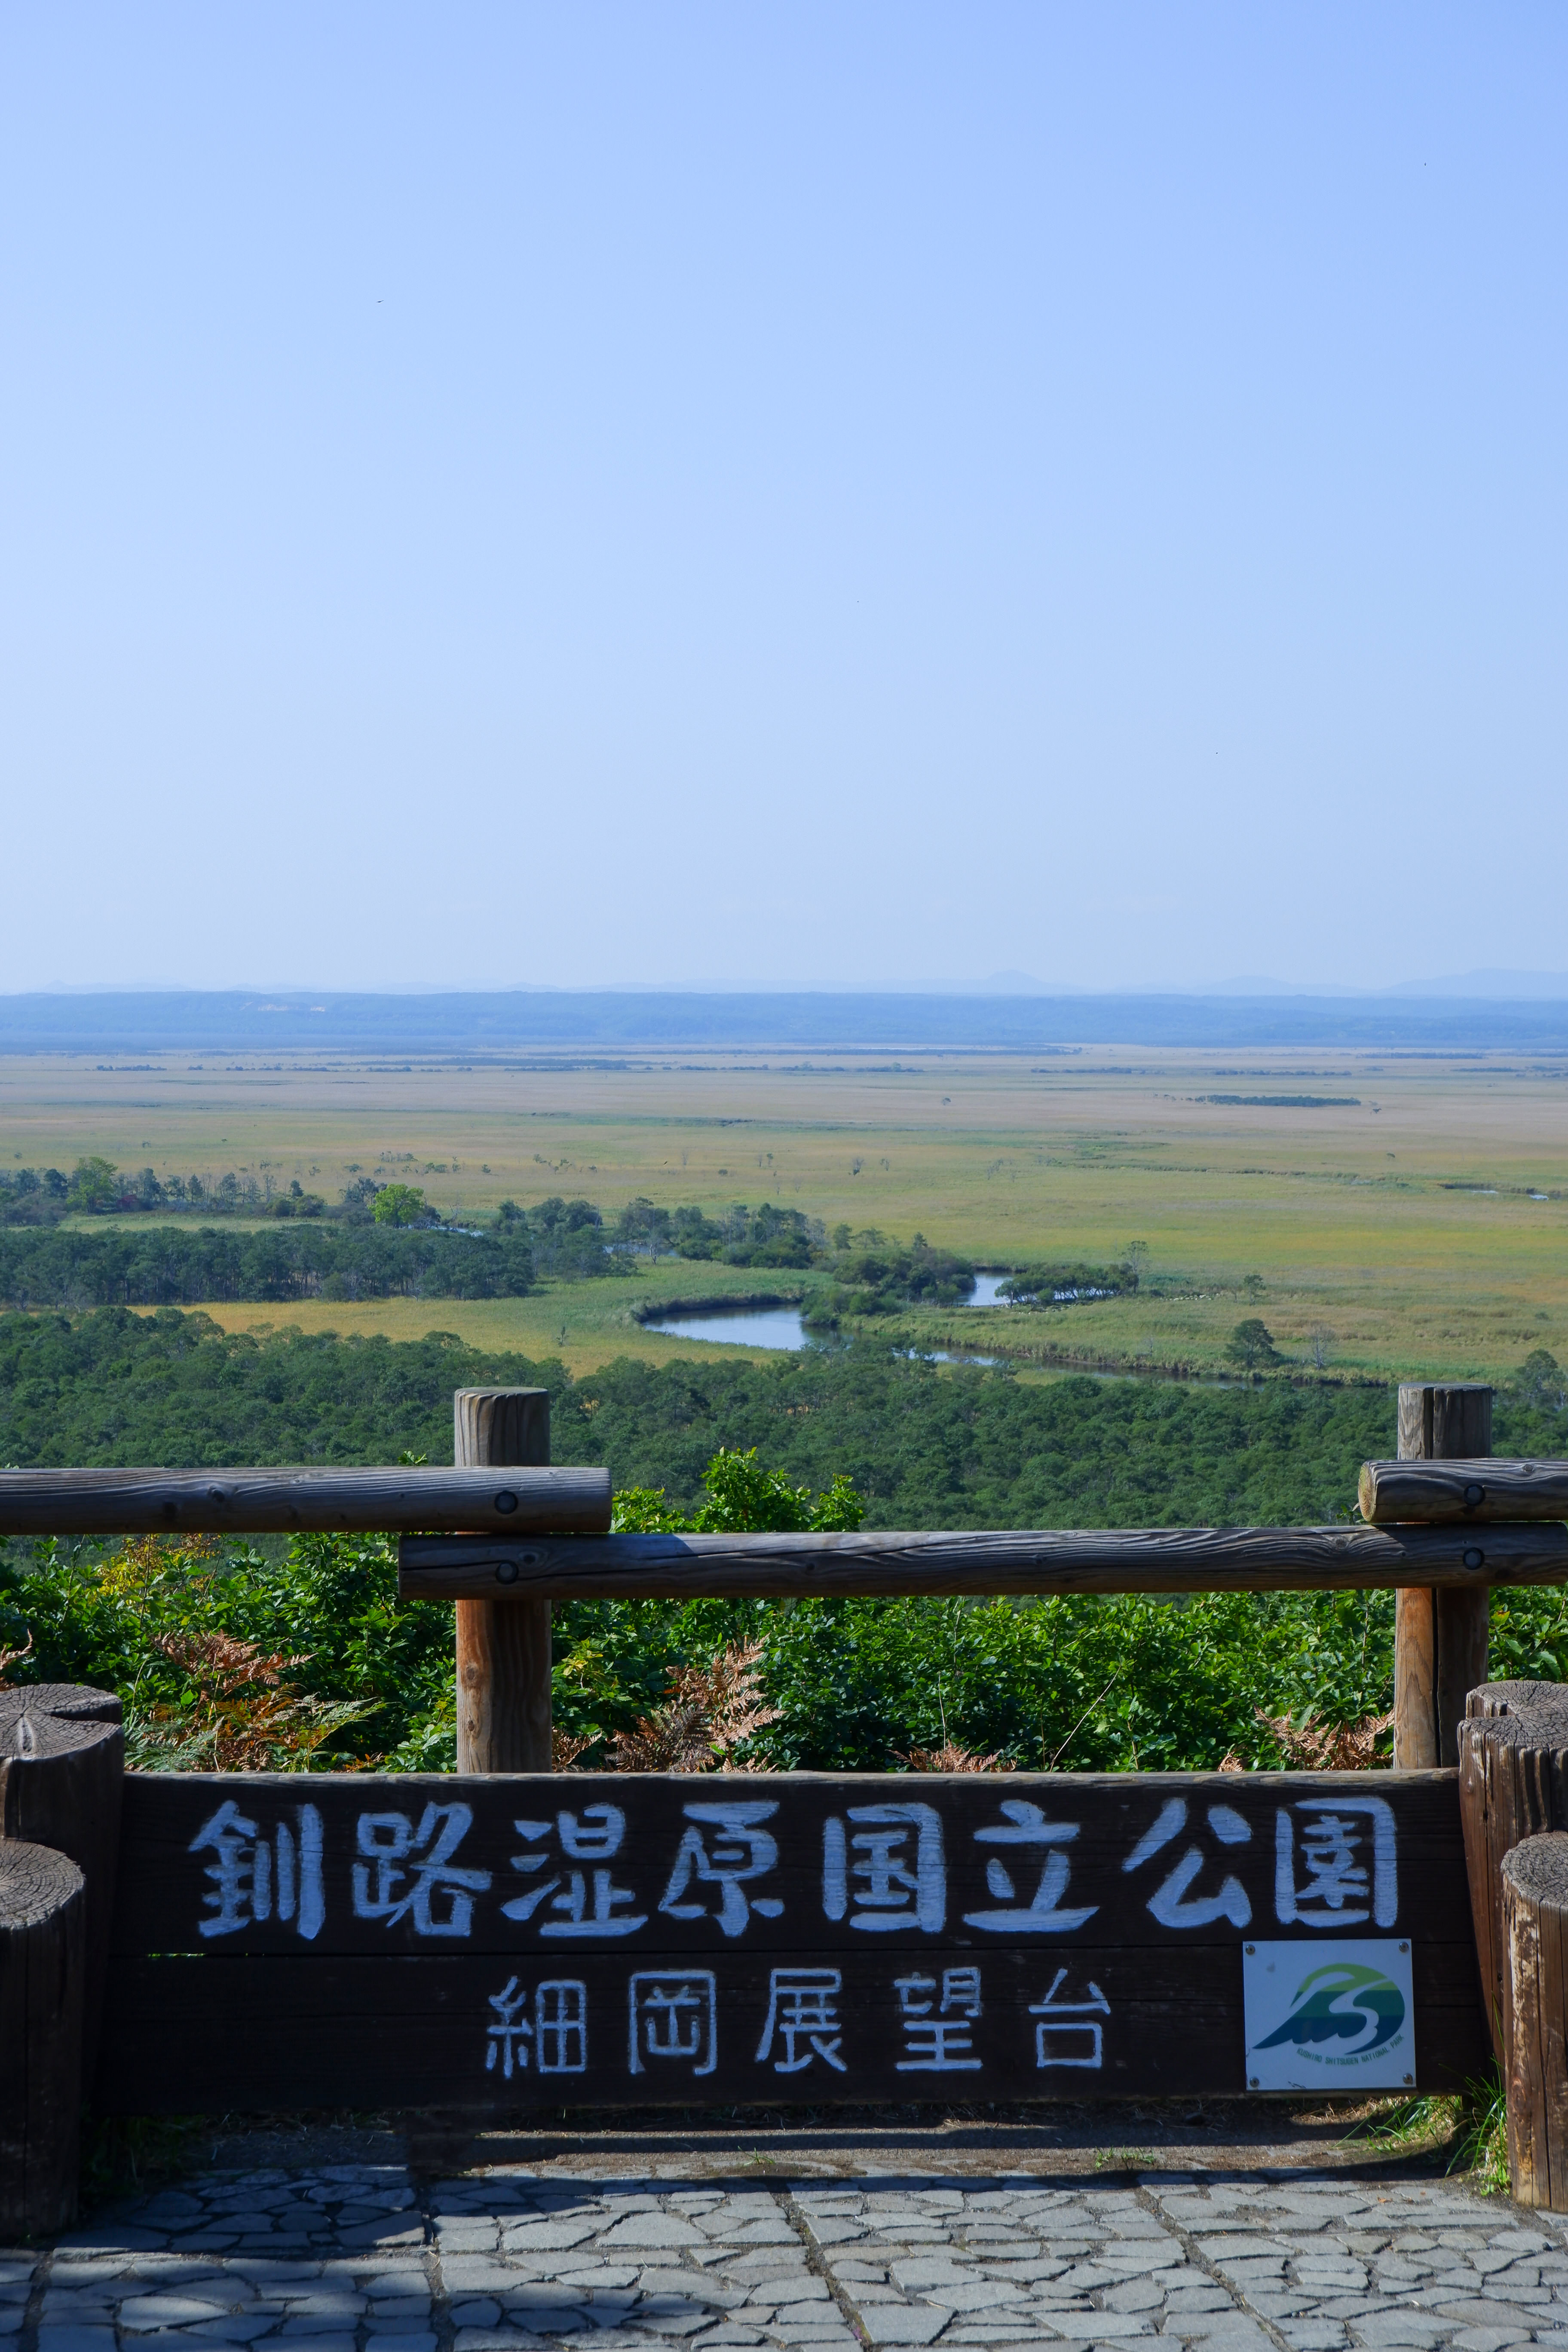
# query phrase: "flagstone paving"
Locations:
[[370, 2258]]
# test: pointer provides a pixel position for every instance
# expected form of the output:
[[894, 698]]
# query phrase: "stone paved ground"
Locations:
[[866, 2251]]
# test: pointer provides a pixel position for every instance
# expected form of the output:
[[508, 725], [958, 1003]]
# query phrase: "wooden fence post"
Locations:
[[503, 1646], [42, 1907], [1535, 2019], [62, 1770], [1439, 1638]]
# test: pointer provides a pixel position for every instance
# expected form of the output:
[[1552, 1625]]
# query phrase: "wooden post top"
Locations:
[[1439, 1419]]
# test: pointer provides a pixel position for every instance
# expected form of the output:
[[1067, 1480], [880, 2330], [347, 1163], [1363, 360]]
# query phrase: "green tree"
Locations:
[[94, 1186], [1540, 1381], [400, 1204], [1251, 1344], [743, 1499]]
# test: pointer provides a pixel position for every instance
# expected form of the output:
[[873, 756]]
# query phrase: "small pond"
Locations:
[[743, 1326], [781, 1327]]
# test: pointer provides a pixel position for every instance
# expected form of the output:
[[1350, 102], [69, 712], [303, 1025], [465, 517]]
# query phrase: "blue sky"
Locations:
[[816, 494]]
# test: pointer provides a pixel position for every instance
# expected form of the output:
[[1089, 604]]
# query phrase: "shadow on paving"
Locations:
[[809, 2238]]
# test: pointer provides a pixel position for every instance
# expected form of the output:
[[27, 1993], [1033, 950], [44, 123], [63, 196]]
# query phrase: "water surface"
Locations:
[[741, 1326]]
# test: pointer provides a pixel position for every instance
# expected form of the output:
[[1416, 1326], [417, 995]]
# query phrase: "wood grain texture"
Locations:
[[1513, 1785], [266, 2034], [1535, 2018], [503, 1654], [1439, 1654], [494, 1425], [1439, 1419], [1159, 1559], [1462, 1623], [41, 1918], [62, 1767], [227, 1502], [1474, 1490], [1416, 1746]]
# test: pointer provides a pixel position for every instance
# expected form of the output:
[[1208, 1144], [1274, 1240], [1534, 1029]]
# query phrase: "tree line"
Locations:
[[97, 1188], [169, 1265]]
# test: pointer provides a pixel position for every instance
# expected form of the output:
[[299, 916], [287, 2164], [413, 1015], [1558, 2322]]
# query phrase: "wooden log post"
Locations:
[[62, 1771], [1513, 1785], [42, 1908], [1439, 1638], [1535, 2019], [503, 1644]]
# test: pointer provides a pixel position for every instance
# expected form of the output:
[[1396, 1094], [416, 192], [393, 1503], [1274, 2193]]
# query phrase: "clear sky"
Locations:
[[782, 494]]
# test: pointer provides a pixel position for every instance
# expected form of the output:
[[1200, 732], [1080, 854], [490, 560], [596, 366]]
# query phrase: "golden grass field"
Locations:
[[1349, 1214]]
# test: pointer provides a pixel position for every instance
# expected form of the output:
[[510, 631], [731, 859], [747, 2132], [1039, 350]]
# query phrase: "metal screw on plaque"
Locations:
[[1251, 1950], [1252, 2082], [1405, 1947], [1410, 2078]]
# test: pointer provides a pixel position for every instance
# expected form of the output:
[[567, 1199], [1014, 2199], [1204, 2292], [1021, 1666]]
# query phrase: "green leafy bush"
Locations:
[[742, 1498]]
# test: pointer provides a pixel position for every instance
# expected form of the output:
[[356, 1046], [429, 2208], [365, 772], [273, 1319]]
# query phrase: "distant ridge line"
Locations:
[[461, 1022]]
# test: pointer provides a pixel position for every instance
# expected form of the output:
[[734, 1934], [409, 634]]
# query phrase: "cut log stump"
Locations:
[[1535, 2018], [42, 1908], [62, 1770], [1513, 1785]]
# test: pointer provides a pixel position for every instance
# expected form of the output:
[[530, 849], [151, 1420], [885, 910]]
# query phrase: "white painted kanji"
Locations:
[[1326, 1881], [889, 1871], [739, 1851], [1172, 1903], [1025, 1828], [408, 1872], [256, 1878]]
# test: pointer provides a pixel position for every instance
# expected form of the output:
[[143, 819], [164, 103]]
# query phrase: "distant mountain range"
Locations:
[[1419, 1018], [1484, 987]]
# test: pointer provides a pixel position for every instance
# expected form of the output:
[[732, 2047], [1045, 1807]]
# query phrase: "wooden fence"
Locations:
[[496, 1939]]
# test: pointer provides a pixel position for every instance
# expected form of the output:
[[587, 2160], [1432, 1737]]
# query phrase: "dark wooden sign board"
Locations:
[[583, 1939]]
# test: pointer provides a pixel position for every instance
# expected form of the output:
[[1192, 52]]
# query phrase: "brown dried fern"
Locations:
[[9, 1658], [707, 1713], [1327, 1747], [951, 1757], [245, 1717]]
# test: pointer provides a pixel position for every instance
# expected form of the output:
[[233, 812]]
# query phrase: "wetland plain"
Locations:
[[1401, 1214]]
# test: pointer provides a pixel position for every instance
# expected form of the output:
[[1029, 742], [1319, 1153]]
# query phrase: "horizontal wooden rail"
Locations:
[[1483, 1490], [262, 1502], [1159, 1559]]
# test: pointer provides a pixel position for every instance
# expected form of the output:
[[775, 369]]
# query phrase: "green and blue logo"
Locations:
[[1340, 2010]]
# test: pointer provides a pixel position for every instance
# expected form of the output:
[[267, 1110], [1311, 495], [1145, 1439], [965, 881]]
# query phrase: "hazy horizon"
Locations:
[[1473, 987]]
